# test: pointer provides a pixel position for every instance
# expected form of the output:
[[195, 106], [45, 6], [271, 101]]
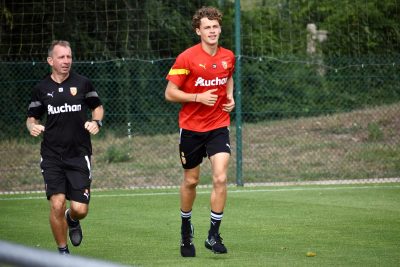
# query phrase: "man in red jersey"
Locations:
[[201, 80]]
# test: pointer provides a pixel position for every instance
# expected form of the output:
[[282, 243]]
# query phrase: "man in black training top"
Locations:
[[65, 97]]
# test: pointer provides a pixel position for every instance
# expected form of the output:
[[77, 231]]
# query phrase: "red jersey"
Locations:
[[196, 71]]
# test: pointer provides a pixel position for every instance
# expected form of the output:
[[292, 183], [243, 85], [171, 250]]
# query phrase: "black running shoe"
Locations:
[[215, 244], [74, 230], [187, 246]]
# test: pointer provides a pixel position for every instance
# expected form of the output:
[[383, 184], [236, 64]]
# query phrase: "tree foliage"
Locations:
[[127, 47], [154, 29]]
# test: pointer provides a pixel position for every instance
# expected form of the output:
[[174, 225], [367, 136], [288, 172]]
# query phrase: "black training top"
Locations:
[[67, 106]]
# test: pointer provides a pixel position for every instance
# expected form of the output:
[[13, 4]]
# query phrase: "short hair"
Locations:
[[57, 42], [209, 12]]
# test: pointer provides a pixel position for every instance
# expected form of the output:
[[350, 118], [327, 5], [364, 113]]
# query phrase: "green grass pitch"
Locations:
[[345, 225]]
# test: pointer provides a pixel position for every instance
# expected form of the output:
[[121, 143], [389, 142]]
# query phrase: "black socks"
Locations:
[[186, 221], [216, 218]]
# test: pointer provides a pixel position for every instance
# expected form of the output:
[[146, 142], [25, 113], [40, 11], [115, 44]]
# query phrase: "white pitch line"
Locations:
[[250, 190]]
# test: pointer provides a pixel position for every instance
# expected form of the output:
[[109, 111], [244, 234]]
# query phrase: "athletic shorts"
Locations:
[[71, 177], [194, 146]]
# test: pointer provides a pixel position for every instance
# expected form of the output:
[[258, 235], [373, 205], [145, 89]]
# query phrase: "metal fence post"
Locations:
[[238, 96]]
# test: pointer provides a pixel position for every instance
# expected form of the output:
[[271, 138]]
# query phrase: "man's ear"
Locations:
[[50, 61]]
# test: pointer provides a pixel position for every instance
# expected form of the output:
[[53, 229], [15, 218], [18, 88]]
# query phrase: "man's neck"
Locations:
[[210, 49], [59, 78]]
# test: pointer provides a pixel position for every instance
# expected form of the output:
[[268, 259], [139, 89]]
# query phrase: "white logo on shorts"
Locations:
[[86, 194]]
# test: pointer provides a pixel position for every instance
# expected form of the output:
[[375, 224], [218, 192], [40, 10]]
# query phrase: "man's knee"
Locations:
[[220, 180], [79, 210], [191, 181], [58, 204], [191, 177]]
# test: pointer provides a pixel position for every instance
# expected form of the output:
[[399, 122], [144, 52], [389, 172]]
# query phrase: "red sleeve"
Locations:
[[179, 71], [233, 66]]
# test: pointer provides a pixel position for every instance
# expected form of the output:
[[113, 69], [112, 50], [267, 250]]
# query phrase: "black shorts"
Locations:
[[71, 177], [194, 146]]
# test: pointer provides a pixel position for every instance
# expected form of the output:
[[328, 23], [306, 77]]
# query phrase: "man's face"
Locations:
[[209, 31], [61, 60]]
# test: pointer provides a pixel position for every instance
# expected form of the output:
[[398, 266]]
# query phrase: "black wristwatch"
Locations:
[[99, 123]]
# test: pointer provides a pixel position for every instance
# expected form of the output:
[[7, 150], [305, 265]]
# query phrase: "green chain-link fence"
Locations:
[[300, 121]]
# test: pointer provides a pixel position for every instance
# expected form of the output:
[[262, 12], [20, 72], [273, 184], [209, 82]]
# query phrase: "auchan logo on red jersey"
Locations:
[[215, 82]]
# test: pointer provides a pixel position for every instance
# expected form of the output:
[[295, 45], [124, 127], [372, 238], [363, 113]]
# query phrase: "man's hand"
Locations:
[[207, 98], [92, 127], [230, 104], [35, 129]]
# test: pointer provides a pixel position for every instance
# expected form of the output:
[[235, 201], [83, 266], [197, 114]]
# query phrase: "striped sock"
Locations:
[[186, 220], [70, 221], [215, 223], [63, 250]]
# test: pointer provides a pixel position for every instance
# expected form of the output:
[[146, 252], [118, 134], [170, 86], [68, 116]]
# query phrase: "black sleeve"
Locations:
[[36, 108], [92, 98]]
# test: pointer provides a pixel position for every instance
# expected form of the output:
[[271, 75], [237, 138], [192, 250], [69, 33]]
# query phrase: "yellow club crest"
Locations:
[[224, 64], [73, 90]]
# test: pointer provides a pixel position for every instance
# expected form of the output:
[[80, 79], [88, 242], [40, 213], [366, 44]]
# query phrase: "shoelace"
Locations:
[[187, 240], [218, 238]]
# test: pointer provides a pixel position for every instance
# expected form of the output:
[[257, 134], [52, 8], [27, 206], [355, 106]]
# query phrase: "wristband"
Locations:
[[99, 123]]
